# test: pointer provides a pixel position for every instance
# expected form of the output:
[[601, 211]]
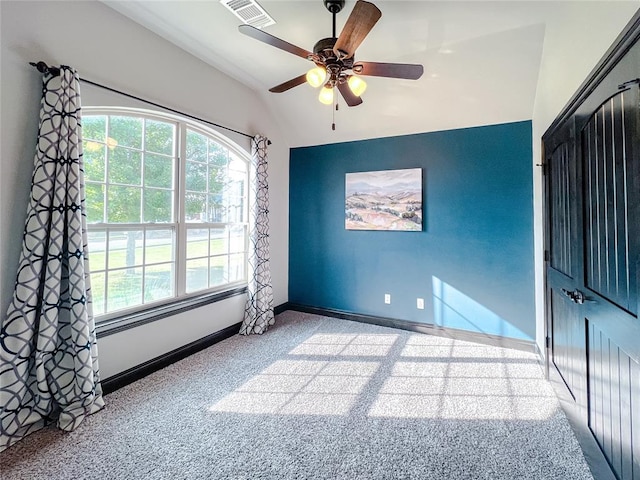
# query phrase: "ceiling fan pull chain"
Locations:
[[333, 125]]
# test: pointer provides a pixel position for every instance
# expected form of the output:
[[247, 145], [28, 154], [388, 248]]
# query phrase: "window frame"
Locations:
[[181, 300]]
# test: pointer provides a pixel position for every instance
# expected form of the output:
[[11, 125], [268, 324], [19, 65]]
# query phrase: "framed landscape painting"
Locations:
[[384, 200]]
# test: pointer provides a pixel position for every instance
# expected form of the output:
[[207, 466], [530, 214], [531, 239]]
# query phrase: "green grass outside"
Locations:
[[125, 286], [154, 254]]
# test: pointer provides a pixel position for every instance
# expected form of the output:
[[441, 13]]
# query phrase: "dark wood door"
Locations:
[[592, 238], [608, 151], [593, 269], [566, 328]]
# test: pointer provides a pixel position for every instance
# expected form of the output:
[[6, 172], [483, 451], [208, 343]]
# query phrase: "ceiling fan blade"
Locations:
[[351, 99], [362, 19], [408, 71], [294, 82], [274, 41]]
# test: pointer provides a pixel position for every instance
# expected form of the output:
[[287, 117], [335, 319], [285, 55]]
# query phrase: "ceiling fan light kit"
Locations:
[[317, 76], [326, 96], [335, 56], [357, 85]]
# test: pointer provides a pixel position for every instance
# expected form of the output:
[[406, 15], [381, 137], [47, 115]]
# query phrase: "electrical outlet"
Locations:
[[387, 298], [420, 303]]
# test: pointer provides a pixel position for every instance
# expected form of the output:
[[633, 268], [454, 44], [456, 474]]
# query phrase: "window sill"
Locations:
[[120, 324]]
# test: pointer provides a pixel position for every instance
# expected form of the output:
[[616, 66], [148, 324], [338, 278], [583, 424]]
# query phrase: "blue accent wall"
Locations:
[[472, 263]]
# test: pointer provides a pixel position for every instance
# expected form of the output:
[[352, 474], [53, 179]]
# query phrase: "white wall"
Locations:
[[576, 38], [110, 49]]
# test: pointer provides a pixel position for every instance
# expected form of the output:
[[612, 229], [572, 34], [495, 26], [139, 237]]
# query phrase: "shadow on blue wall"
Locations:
[[453, 309]]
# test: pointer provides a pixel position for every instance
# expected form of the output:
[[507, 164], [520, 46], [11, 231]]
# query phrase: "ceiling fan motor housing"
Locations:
[[324, 47], [323, 50]]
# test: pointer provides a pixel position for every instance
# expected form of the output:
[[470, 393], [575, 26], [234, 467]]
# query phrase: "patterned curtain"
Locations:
[[48, 353], [258, 314]]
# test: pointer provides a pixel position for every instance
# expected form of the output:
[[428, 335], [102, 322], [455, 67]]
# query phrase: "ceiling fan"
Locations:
[[334, 56]]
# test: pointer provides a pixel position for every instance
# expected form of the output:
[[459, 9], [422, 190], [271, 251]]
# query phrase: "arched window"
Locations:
[[166, 203]]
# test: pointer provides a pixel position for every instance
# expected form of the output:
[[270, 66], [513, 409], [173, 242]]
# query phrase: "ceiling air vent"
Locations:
[[249, 12]]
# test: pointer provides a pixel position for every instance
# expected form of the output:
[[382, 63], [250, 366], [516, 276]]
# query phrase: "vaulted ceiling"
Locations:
[[481, 61]]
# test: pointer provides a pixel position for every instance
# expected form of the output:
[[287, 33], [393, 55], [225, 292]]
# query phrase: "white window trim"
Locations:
[[146, 312]]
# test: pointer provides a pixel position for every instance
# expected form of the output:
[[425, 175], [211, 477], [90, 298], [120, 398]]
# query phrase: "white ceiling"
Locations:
[[481, 61]]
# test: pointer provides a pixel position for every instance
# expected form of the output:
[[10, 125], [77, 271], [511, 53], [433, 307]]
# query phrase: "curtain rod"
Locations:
[[55, 71]]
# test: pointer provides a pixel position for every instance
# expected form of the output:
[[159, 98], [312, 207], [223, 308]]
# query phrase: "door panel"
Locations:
[[560, 203], [606, 147], [568, 339], [612, 402]]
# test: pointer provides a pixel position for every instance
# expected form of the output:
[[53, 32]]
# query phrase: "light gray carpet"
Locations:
[[321, 398]]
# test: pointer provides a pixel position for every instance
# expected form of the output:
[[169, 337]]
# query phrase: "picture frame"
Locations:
[[384, 200]]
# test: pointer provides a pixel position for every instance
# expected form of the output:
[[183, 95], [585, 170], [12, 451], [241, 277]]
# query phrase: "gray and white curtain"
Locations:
[[258, 314], [48, 353]]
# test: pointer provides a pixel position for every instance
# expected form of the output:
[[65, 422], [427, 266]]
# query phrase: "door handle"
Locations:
[[568, 293], [572, 295], [576, 296], [580, 298]]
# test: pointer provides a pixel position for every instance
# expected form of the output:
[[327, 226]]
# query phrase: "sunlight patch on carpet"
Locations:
[[431, 378], [346, 345], [301, 387]]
